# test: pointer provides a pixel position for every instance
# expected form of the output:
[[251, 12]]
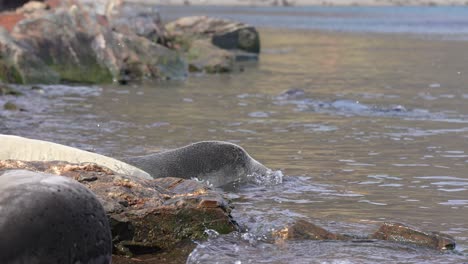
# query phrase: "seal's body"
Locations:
[[216, 162], [51, 219], [26, 149]]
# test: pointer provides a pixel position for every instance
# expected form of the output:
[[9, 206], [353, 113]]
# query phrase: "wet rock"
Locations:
[[303, 230], [70, 42], [10, 106], [50, 219], [293, 93], [62, 40], [131, 18], [223, 33], [135, 58], [7, 90], [20, 65], [205, 57], [213, 45], [146, 216], [404, 234]]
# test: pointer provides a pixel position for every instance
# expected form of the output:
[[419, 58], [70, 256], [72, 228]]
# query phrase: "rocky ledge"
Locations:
[[394, 232], [145, 215], [76, 41]]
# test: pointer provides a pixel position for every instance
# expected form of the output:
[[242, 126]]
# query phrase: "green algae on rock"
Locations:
[[70, 43]]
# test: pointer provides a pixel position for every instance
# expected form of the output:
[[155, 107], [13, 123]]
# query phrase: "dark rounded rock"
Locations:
[[50, 219]]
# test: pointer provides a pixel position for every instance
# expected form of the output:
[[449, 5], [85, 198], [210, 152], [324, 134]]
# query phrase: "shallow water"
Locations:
[[379, 134]]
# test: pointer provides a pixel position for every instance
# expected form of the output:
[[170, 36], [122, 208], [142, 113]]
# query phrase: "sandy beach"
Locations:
[[307, 2]]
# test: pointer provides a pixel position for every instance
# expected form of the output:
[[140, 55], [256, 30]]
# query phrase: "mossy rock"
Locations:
[[10, 106], [9, 73], [6, 90]]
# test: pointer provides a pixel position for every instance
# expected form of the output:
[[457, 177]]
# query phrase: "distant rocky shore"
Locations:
[[73, 41]]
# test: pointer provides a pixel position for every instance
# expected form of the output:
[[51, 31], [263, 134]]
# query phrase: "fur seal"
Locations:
[[216, 162], [51, 219], [20, 148]]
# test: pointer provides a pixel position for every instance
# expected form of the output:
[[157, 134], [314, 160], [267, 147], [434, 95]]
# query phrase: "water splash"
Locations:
[[269, 178]]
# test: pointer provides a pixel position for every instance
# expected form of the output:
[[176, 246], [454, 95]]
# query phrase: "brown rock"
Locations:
[[8, 20], [205, 57], [223, 33], [145, 215], [71, 42], [404, 234], [303, 230], [31, 7], [213, 45]]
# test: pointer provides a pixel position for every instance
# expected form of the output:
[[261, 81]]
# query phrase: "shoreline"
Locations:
[[286, 3]]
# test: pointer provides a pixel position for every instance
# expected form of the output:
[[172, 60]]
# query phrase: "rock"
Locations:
[[303, 230], [7, 90], [10, 106], [31, 7], [146, 216], [62, 40], [223, 33], [20, 148], [128, 18], [73, 43], [51, 219], [19, 65], [404, 234], [205, 57], [135, 58], [213, 45], [11, 4], [294, 93]]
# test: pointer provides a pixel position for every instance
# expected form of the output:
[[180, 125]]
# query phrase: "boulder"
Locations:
[[203, 56], [51, 219], [7, 90], [223, 33], [135, 58], [62, 40], [303, 230], [71, 42], [394, 232], [31, 7], [404, 234], [145, 216], [213, 45], [128, 17], [20, 65]]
